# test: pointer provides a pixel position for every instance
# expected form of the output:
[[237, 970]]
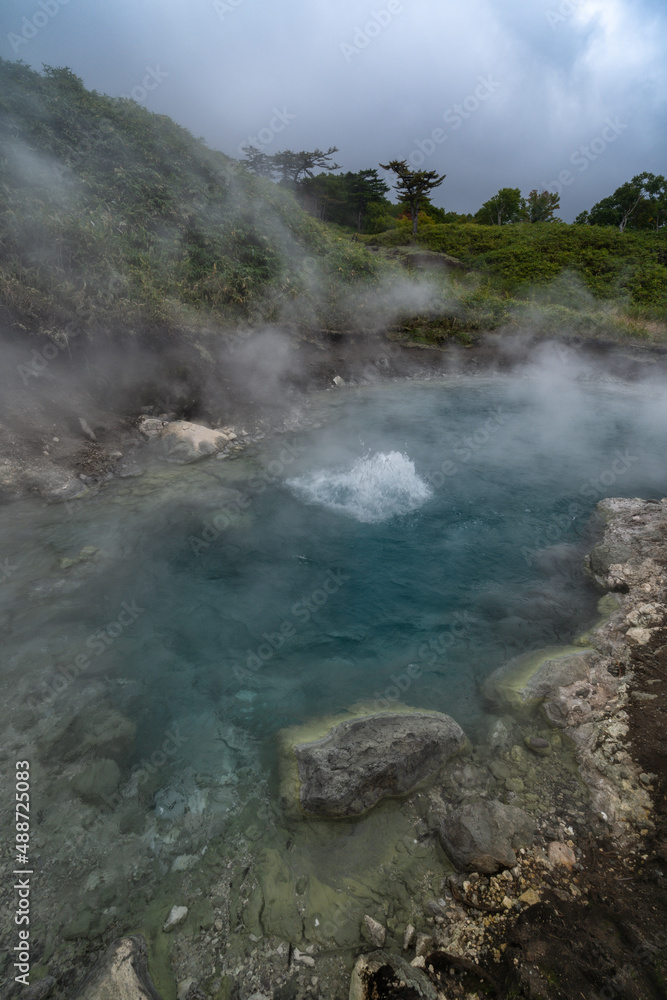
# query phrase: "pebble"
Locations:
[[560, 854], [299, 956], [177, 915], [376, 931]]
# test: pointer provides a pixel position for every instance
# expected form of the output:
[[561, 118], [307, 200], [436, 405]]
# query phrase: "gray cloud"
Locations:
[[391, 78]]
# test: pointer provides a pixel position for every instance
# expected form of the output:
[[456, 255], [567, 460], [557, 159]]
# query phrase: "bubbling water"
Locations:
[[373, 489]]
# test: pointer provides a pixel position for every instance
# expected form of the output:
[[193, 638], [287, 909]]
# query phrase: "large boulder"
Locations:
[[526, 681], [481, 836], [121, 974], [360, 761], [182, 442]]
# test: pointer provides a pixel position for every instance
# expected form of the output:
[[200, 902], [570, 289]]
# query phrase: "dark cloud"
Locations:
[[492, 93]]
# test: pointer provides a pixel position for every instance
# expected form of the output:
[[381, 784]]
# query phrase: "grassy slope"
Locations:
[[116, 219], [591, 280]]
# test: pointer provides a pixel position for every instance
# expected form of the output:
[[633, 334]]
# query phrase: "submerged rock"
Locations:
[[524, 682], [39, 990], [359, 762], [481, 836], [177, 915], [182, 442], [122, 974]]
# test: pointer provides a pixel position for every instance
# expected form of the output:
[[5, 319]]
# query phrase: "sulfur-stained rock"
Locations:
[[359, 762]]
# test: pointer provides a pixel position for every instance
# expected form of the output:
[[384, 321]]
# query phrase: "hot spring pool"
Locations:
[[170, 626]]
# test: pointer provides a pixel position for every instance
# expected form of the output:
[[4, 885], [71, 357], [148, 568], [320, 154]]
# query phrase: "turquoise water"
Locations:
[[435, 526], [428, 525], [440, 525]]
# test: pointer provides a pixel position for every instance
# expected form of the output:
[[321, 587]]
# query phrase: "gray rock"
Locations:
[[359, 762], [177, 915], [376, 932], [481, 836], [121, 974], [539, 746], [606, 554], [39, 990], [560, 671], [129, 467], [381, 974], [526, 681]]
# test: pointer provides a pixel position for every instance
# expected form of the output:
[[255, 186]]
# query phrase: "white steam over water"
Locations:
[[373, 489]]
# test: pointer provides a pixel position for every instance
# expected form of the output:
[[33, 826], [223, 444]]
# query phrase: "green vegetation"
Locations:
[[114, 219], [551, 278], [117, 222]]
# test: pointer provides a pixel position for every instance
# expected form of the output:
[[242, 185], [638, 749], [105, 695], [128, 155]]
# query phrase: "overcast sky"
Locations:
[[565, 94]]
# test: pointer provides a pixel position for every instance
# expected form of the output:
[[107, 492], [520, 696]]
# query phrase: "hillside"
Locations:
[[549, 278], [118, 226], [117, 220]]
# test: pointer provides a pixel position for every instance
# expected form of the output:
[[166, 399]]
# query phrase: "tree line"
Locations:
[[359, 199]]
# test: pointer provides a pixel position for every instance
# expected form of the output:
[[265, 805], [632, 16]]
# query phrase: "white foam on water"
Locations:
[[373, 489]]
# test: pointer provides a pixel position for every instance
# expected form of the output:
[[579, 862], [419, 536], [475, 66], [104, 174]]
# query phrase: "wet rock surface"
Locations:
[[357, 763], [481, 836]]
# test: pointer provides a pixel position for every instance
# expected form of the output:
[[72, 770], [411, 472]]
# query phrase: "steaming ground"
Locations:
[[257, 380]]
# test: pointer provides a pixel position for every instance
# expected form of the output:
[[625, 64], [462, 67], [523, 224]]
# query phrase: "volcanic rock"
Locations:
[[359, 762], [481, 836]]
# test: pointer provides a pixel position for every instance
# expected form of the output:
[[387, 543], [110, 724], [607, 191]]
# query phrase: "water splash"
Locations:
[[373, 489]]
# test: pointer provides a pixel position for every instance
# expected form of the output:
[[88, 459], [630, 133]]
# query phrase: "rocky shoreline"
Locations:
[[577, 910]]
